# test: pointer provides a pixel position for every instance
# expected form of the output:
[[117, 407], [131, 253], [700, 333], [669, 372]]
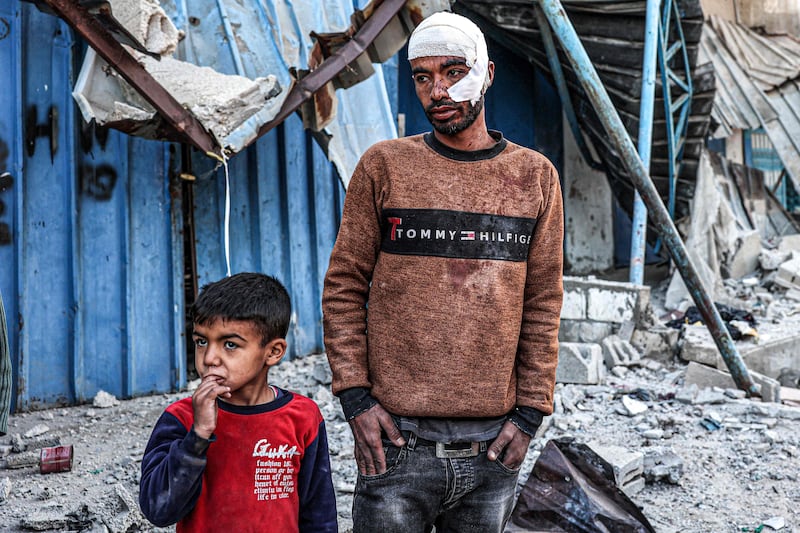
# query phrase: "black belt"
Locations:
[[447, 450]]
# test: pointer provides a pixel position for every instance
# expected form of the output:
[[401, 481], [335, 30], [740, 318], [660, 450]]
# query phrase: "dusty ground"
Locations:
[[735, 478]]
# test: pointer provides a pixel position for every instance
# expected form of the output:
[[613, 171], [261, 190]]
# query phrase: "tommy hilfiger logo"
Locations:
[[456, 234]]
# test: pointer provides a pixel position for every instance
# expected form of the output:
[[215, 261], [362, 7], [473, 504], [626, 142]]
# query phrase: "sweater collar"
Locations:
[[464, 155]]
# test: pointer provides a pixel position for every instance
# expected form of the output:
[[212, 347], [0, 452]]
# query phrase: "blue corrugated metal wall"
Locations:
[[286, 201], [92, 275]]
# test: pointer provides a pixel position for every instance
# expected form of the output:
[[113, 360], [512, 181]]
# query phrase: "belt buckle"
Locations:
[[443, 452]]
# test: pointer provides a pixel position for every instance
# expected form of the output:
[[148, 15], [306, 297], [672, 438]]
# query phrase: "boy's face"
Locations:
[[230, 352]]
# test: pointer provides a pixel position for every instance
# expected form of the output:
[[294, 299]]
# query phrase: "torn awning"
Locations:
[[758, 86], [236, 62]]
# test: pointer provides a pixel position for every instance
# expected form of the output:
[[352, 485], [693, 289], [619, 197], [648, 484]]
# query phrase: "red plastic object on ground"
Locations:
[[55, 459]]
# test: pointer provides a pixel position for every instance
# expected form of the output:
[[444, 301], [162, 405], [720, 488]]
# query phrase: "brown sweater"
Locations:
[[459, 255]]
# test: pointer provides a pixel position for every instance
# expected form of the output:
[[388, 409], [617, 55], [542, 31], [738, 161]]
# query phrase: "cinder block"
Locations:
[[611, 301], [580, 363], [628, 466], [610, 305], [618, 352], [705, 377], [584, 331], [574, 306]]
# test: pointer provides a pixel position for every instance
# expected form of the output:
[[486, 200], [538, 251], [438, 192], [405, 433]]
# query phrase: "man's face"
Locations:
[[433, 76]]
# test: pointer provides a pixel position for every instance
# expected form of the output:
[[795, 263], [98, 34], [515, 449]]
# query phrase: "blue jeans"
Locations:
[[420, 490]]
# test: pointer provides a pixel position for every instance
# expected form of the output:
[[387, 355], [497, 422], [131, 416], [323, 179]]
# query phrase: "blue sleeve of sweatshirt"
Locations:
[[315, 485], [172, 471]]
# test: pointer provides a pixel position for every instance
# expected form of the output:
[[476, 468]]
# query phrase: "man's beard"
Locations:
[[451, 128]]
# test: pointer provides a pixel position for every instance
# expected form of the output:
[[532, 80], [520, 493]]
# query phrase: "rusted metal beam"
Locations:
[[305, 88], [182, 120]]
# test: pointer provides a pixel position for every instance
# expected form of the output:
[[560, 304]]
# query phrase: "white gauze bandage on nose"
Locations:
[[448, 34]]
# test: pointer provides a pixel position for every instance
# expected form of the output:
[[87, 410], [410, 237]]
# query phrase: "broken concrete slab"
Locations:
[[707, 377], [771, 259], [790, 243], [697, 344], [658, 342], [745, 258], [774, 349], [580, 363], [788, 275], [790, 396]]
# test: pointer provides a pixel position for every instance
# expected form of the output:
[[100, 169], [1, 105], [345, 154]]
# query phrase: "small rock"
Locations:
[[653, 434], [633, 407], [35, 431], [709, 396], [322, 373], [104, 400], [776, 523], [688, 393], [736, 394], [5, 489]]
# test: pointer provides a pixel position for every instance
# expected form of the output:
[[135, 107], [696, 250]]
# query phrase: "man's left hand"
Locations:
[[511, 444]]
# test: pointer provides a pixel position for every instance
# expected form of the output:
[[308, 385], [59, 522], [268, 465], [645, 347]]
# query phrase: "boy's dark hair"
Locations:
[[246, 296]]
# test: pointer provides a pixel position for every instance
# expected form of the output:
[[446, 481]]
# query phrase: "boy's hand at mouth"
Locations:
[[204, 404]]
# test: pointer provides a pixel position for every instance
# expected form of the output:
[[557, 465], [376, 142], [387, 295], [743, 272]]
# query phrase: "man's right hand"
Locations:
[[367, 433]]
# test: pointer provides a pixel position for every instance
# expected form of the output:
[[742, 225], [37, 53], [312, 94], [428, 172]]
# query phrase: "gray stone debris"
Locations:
[[5, 489], [22, 460], [35, 431], [632, 406], [662, 464], [18, 444]]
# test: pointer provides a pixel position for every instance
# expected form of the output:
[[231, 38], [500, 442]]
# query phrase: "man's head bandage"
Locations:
[[448, 34]]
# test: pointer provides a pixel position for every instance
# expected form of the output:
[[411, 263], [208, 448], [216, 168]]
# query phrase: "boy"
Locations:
[[240, 454]]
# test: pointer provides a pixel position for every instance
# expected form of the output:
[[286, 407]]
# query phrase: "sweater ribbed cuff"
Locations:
[[355, 401], [195, 444], [527, 419]]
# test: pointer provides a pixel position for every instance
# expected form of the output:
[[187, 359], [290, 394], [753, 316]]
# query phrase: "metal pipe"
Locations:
[[612, 123], [563, 91], [646, 105]]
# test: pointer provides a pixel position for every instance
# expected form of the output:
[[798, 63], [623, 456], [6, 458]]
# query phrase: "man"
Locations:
[[442, 301]]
